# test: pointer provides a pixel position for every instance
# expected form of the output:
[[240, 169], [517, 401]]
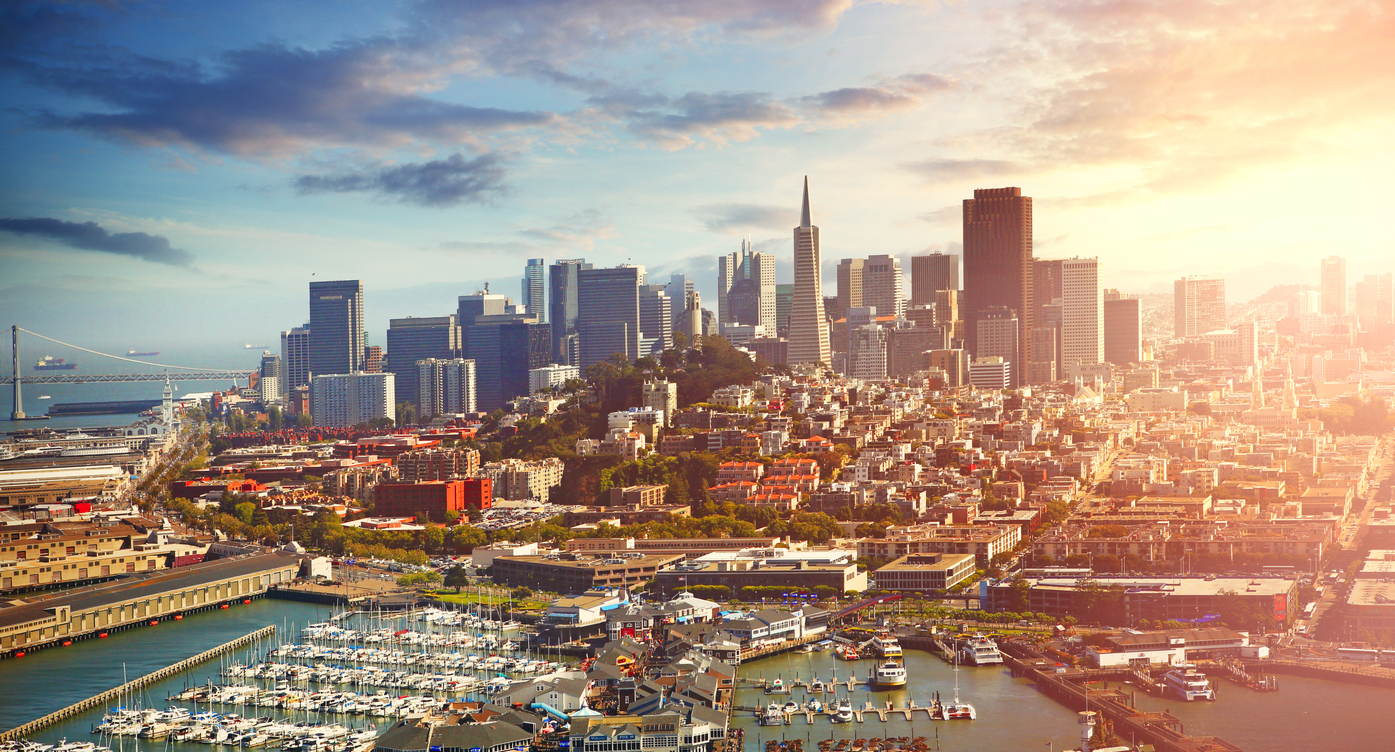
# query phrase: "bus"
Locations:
[[1309, 609], [1359, 654]]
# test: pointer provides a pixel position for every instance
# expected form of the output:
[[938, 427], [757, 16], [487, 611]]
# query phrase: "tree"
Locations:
[[456, 577], [259, 518], [406, 413], [274, 420]]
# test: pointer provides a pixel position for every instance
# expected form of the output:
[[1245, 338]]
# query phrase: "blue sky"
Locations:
[[181, 170]]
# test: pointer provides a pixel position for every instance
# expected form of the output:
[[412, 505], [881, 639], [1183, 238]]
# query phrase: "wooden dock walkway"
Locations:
[[150, 678]]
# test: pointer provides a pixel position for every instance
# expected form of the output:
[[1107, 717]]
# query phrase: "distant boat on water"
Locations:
[[50, 363], [44, 396], [143, 353], [254, 347]]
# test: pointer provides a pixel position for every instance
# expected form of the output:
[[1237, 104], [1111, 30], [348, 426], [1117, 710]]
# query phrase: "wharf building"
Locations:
[[143, 598], [569, 573], [765, 567], [336, 327], [1154, 598], [690, 548], [998, 262], [48, 554], [412, 340], [808, 324], [1173, 647], [26, 489]]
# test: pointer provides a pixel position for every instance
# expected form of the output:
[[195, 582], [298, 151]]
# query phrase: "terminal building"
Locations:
[[925, 572], [576, 573], [1155, 598], [766, 567]]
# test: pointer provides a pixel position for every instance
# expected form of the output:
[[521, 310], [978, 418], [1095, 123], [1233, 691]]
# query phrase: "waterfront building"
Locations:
[[348, 399], [534, 285], [808, 326], [295, 356], [932, 273], [835, 568], [608, 313], [412, 340], [998, 262], [563, 289], [446, 386], [925, 572], [573, 574], [336, 327], [1154, 597], [1198, 306]]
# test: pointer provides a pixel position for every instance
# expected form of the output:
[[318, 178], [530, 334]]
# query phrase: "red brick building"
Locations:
[[432, 499]]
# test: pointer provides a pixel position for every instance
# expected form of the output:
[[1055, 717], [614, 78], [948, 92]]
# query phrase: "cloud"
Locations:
[[90, 236], [719, 117], [854, 103], [945, 215], [275, 100], [741, 218], [964, 169], [443, 182], [575, 234]]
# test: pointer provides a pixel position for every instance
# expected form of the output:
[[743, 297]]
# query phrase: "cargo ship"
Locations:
[[142, 353], [50, 363]]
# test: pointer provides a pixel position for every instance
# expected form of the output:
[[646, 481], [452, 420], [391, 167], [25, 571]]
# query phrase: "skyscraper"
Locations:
[[273, 380], [336, 327], [998, 262], [808, 329], [608, 313], [533, 287], [784, 303], [1082, 311], [470, 307], [446, 386], [505, 347], [655, 320], [746, 288], [849, 287], [411, 340], [562, 307], [1198, 306], [295, 357], [1123, 329], [677, 290], [1334, 286], [883, 286], [929, 274]]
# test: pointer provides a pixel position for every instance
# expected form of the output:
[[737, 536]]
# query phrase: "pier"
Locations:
[[150, 678]]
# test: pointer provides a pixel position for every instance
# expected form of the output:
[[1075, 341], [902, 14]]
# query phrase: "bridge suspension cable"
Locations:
[[118, 357]]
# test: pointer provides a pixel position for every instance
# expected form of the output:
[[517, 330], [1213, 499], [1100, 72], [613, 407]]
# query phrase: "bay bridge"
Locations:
[[171, 372]]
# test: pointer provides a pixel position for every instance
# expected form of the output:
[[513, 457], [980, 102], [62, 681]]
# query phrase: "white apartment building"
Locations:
[[551, 376], [1082, 311], [345, 400]]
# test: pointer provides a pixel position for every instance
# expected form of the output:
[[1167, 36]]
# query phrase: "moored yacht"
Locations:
[[980, 651], [889, 675], [844, 713], [886, 646], [774, 715]]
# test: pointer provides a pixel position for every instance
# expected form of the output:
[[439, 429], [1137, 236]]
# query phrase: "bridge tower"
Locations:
[[18, 412]]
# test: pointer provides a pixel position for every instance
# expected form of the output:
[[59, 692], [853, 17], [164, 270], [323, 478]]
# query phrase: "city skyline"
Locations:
[[624, 151]]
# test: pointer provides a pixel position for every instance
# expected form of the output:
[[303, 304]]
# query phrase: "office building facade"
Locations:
[[655, 320], [470, 307], [746, 288], [999, 334], [1123, 329], [1334, 286], [883, 286], [932, 273], [295, 357], [534, 289], [998, 262], [411, 340], [849, 287], [1198, 306], [445, 386], [562, 308], [1082, 311], [336, 327], [505, 347], [608, 313]]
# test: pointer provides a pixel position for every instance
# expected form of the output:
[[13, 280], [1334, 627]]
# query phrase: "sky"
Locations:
[[176, 173]]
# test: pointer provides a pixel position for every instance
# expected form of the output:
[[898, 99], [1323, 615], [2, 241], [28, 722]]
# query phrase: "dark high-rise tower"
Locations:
[[533, 288], [412, 339], [562, 307], [336, 327], [932, 273], [608, 313], [998, 261]]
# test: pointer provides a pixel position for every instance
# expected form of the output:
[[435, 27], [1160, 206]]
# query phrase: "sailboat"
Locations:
[[959, 710]]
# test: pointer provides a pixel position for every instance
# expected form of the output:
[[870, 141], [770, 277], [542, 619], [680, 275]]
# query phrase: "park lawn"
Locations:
[[465, 596]]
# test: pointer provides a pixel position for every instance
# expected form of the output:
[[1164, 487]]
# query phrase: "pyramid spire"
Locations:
[[804, 220]]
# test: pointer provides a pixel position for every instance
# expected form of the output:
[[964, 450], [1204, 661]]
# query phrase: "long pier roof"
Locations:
[[143, 585]]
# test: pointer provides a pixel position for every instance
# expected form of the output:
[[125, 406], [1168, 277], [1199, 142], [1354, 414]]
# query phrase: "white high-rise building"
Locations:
[[1198, 306], [746, 289], [445, 387], [677, 290], [1334, 286], [1082, 311], [551, 376], [295, 357], [346, 400], [808, 327], [883, 286]]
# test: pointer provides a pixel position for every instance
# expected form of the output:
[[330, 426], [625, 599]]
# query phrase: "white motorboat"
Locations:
[[1188, 684], [886, 646], [773, 715], [844, 713], [980, 651], [889, 675]]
